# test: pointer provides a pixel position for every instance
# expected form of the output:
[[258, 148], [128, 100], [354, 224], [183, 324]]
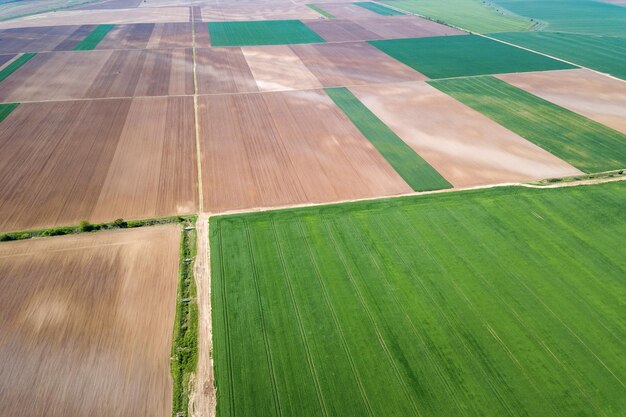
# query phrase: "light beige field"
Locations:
[[224, 70], [101, 73], [593, 95], [230, 12], [346, 10], [62, 162], [86, 324], [464, 146], [103, 16], [148, 35], [272, 149]]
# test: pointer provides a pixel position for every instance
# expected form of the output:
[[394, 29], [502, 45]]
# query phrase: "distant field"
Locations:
[[584, 143], [268, 32], [487, 303], [602, 53], [378, 9], [456, 56], [473, 15]]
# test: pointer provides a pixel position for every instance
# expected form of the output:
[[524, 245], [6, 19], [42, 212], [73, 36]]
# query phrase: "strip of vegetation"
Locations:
[[6, 109], [185, 346], [378, 8], [586, 177], [321, 11], [93, 39], [85, 226], [13, 66]]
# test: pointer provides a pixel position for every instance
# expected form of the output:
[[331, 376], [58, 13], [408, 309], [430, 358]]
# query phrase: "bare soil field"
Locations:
[[62, 162], [224, 70], [148, 35], [6, 59], [96, 17], [345, 64], [257, 11], [59, 38], [593, 95], [99, 74], [269, 149], [467, 148], [111, 4], [378, 27], [86, 324], [345, 10]]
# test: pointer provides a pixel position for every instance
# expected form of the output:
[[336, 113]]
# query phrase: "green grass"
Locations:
[[408, 164], [6, 109], [601, 53], [321, 11], [15, 65], [268, 32], [573, 16], [93, 39], [458, 56], [473, 15], [501, 302], [185, 346], [584, 143], [378, 8]]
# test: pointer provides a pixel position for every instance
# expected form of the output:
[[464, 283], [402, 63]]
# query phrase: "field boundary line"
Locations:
[[195, 113]]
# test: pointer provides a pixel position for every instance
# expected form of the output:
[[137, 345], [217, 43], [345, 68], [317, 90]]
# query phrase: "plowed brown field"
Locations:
[[99, 74], [269, 149], [59, 38], [595, 96], [61, 162], [148, 35], [86, 324], [223, 70], [464, 146]]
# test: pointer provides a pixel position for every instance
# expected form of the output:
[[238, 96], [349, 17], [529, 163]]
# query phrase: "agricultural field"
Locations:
[[512, 307], [267, 32], [89, 318]]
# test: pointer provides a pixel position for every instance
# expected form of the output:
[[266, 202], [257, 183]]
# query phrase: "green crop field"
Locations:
[[458, 56], [500, 302], [602, 53], [321, 11], [584, 143], [474, 15], [408, 164], [574, 16], [93, 39], [6, 109], [268, 32], [15, 65], [378, 8]]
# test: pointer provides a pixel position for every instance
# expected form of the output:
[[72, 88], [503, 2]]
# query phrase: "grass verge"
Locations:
[[15, 65]]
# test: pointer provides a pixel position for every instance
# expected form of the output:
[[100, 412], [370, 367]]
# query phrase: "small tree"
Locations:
[[120, 223], [85, 226]]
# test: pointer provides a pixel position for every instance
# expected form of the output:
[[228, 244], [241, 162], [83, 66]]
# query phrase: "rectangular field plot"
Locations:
[[276, 149], [585, 92], [485, 303], [378, 8], [88, 317], [39, 39], [584, 143], [98, 160], [224, 70], [346, 10], [269, 32], [467, 148], [251, 11], [98, 74], [459, 56], [148, 35]]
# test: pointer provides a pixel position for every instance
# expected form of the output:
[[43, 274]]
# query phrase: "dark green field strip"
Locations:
[[601, 53], [321, 11], [584, 143], [14, 66], [408, 164], [268, 32], [459, 56], [378, 8], [93, 39], [6, 109], [495, 302]]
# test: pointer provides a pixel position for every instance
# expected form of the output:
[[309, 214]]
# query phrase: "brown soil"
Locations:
[[279, 68], [97, 160], [593, 95], [355, 63], [346, 10], [341, 30], [86, 324], [257, 11], [148, 35], [224, 70], [60, 38], [467, 148], [98, 74], [263, 150], [170, 35]]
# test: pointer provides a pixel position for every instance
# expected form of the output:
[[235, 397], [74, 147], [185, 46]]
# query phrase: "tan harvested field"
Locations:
[[224, 70], [148, 35], [464, 146], [272, 149], [257, 11], [279, 68], [112, 4], [346, 10], [344, 64], [341, 30], [62, 162], [59, 38], [593, 95], [86, 324], [101, 73], [97, 17]]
